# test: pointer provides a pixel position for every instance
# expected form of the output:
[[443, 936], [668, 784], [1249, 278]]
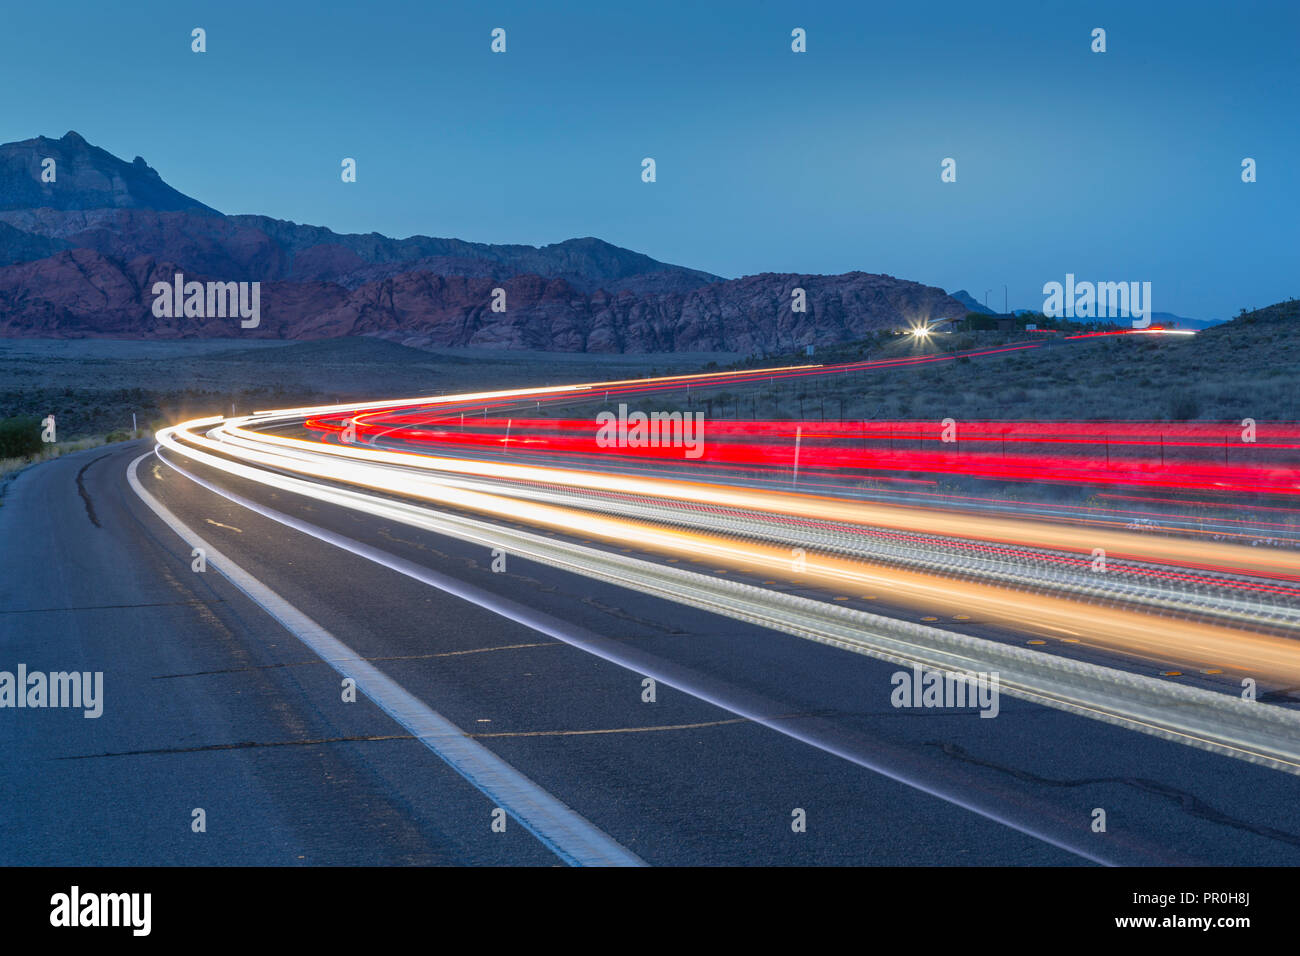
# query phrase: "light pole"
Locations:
[[986, 297]]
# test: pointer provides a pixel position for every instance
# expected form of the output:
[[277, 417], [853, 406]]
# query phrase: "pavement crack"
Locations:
[[85, 495], [240, 745], [1188, 802], [372, 738], [405, 657], [110, 607]]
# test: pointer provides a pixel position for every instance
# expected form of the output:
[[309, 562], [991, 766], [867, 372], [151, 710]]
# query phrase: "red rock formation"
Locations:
[[87, 268]]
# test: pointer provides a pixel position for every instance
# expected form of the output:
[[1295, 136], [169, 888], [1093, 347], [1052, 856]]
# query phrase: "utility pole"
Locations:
[[798, 436], [1006, 309]]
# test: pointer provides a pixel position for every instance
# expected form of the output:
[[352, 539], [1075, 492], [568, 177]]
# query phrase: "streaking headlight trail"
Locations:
[[1204, 594]]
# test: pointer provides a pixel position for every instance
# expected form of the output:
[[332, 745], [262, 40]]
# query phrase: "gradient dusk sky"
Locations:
[[1117, 166]]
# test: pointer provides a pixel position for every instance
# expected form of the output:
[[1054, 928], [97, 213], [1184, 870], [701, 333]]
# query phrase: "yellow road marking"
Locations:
[[613, 730]]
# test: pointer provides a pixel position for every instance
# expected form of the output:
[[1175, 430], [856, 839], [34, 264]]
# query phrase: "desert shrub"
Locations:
[[1183, 406], [20, 437]]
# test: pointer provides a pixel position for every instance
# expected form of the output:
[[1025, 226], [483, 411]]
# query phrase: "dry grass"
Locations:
[[93, 386], [11, 466], [1243, 369]]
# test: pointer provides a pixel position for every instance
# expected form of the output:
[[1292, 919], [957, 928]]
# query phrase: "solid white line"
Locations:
[[716, 693], [572, 837]]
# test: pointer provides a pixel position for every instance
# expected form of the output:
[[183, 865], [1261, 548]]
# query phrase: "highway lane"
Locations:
[[89, 580], [650, 787], [676, 781], [673, 795]]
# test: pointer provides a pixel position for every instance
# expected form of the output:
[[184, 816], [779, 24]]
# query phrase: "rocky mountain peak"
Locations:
[[82, 177]]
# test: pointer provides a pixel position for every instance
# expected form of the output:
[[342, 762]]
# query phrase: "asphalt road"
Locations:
[[210, 703]]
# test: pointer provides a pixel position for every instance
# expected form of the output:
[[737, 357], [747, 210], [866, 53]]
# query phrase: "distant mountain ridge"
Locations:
[[1171, 321], [1166, 319], [79, 256], [85, 177], [972, 304]]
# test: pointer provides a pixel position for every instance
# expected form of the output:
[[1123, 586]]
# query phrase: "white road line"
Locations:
[[569, 835], [718, 694]]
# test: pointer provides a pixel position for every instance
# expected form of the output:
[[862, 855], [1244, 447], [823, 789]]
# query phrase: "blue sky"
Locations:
[[1116, 166]]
